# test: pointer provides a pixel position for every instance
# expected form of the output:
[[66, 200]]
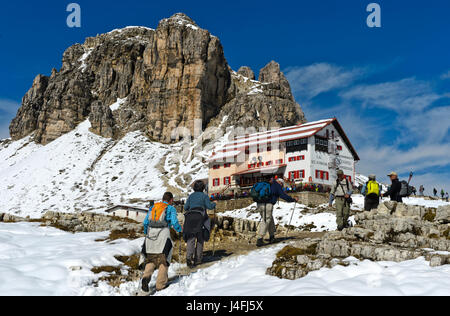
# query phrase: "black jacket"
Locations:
[[394, 191]]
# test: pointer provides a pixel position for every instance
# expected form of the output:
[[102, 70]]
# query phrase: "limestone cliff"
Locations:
[[156, 80]]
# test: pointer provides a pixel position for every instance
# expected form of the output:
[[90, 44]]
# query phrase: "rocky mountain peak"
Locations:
[[179, 19], [168, 78], [271, 73], [246, 72]]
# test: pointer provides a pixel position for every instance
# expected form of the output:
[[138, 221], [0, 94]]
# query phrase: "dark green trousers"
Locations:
[[342, 212]]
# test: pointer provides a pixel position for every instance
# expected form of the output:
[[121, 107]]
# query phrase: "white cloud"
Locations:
[[407, 94], [446, 75], [308, 82], [4, 131], [8, 106], [430, 126], [412, 138]]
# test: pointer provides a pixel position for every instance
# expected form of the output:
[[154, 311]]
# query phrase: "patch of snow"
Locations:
[[130, 27], [83, 58], [46, 261], [79, 171], [116, 105], [283, 212], [245, 275]]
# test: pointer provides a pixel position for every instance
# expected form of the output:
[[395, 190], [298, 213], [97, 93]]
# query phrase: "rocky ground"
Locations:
[[393, 232]]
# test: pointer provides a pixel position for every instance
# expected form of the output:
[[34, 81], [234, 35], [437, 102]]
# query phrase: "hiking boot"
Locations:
[[198, 262], [271, 239], [259, 242], [145, 282], [190, 263]]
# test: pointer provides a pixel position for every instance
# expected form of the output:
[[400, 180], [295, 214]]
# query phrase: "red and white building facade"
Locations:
[[307, 153]]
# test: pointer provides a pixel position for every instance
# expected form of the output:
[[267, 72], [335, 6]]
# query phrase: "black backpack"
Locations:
[[406, 189]]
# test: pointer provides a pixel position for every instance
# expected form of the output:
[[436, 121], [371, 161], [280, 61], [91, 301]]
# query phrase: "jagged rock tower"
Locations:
[[163, 79]]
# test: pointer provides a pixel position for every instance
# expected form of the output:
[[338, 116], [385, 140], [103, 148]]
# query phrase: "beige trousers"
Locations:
[[160, 262], [267, 224]]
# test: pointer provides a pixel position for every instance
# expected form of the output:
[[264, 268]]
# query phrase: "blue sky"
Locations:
[[389, 86]]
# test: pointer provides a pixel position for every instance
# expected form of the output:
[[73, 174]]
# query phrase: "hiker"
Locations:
[[341, 192], [394, 190], [158, 245], [266, 195], [442, 193], [421, 190], [446, 196], [371, 190], [435, 192], [197, 224]]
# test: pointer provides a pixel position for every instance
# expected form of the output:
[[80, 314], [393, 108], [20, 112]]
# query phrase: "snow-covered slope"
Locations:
[[81, 171]]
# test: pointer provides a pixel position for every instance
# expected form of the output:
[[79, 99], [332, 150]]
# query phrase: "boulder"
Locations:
[[443, 214]]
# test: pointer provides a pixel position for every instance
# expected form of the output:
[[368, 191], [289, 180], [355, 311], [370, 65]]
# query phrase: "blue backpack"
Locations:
[[260, 192]]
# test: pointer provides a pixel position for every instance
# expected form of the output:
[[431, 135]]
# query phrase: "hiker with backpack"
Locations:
[[442, 193], [341, 192], [266, 195], [435, 192], [372, 191], [421, 190], [446, 197], [197, 224], [394, 190], [158, 245]]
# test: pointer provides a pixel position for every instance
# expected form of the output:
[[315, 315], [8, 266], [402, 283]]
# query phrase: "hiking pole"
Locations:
[[291, 219], [214, 238]]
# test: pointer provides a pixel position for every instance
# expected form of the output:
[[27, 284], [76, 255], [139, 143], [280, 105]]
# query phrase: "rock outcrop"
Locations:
[[173, 77], [393, 232], [259, 105]]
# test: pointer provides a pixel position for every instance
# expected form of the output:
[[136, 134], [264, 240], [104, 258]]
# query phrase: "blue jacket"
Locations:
[[171, 218], [199, 199], [277, 192]]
